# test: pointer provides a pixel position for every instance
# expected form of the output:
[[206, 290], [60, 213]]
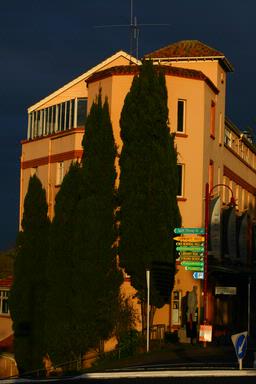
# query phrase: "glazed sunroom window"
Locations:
[[60, 117]]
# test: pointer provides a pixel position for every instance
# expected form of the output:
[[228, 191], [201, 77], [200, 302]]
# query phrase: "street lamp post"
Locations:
[[148, 307], [208, 196]]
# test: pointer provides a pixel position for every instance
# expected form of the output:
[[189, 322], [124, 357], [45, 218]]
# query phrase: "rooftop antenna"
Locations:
[[134, 31]]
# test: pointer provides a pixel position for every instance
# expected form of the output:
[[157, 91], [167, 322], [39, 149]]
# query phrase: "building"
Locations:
[[211, 149], [5, 318]]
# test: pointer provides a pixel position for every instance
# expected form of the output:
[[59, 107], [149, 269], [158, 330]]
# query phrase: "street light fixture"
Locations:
[[232, 203]]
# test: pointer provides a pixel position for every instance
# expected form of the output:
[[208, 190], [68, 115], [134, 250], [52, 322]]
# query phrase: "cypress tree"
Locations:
[[27, 299], [62, 291], [95, 235], [148, 184]]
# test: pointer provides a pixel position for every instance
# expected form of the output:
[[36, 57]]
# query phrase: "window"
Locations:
[[212, 126], [4, 306], [60, 172], [180, 180], [181, 116], [81, 112], [211, 174], [59, 117], [228, 137]]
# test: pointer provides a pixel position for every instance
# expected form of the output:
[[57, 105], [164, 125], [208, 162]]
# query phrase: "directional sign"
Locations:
[[188, 231], [192, 263], [198, 269], [185, 239], [240, 343], [198, 275], [193, 258], [190, 254], [190, 249], [189, 244]]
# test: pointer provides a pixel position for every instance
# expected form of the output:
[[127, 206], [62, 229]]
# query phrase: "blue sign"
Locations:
[[198, 275], [241, 346]]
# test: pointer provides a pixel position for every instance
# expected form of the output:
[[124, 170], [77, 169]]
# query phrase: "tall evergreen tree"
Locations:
[[95, 235], [148, 183], [27, 299], [62, 291]]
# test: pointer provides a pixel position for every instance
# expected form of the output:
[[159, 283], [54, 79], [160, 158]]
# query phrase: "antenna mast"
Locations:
[[134, 31]]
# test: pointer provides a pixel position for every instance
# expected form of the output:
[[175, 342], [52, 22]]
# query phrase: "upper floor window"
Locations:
[[212, 123], [228, 137], [211, 174], [60, 173], [4, 305], [180, 180], [59, 117], [181, 110]]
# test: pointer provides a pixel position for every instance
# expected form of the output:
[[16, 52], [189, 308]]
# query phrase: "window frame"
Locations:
[[182, 102], [59, 173], [181, 180], [4, 300]]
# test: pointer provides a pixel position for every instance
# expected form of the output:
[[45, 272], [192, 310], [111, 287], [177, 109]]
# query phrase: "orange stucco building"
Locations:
[[210, 149]]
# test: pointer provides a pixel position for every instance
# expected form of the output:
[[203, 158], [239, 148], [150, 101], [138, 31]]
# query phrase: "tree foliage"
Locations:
[[83, 277], [148, 182], [62, 290], [95, 236], [27, 299]]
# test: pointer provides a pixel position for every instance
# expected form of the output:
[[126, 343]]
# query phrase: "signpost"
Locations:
[[192, 263], [240, 343], [185, 239], [190, 247], [198, 269], [198, 275], [193, 231]]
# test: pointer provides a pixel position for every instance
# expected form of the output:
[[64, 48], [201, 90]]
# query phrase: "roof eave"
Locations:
[[223, 60], [84, 76]]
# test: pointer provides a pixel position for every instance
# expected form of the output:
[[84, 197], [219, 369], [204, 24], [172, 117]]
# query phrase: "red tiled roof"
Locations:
[[189, 49], [186, 48], [168, 70], [7, 282], [117, 70]]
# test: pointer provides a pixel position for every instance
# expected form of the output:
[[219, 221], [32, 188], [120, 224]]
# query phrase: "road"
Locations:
[[189, 376]]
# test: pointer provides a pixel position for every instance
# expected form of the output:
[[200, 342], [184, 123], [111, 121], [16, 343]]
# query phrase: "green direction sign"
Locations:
[[189, 231], [190, 254], [192, 263], [180, 243], [190, 249], [198, 269]]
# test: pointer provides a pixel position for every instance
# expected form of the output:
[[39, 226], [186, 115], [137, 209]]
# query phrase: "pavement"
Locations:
[[175, 363], [184, 356]]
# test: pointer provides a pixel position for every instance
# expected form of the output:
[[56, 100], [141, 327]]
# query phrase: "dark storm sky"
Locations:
[[45, 44]]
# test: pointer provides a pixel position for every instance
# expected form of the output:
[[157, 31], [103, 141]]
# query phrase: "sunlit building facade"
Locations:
[[210, 148]]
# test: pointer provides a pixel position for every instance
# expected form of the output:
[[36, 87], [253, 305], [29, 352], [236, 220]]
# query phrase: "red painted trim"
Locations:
[[6, 283], [238, 180], [70, 155], [181, 199]]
